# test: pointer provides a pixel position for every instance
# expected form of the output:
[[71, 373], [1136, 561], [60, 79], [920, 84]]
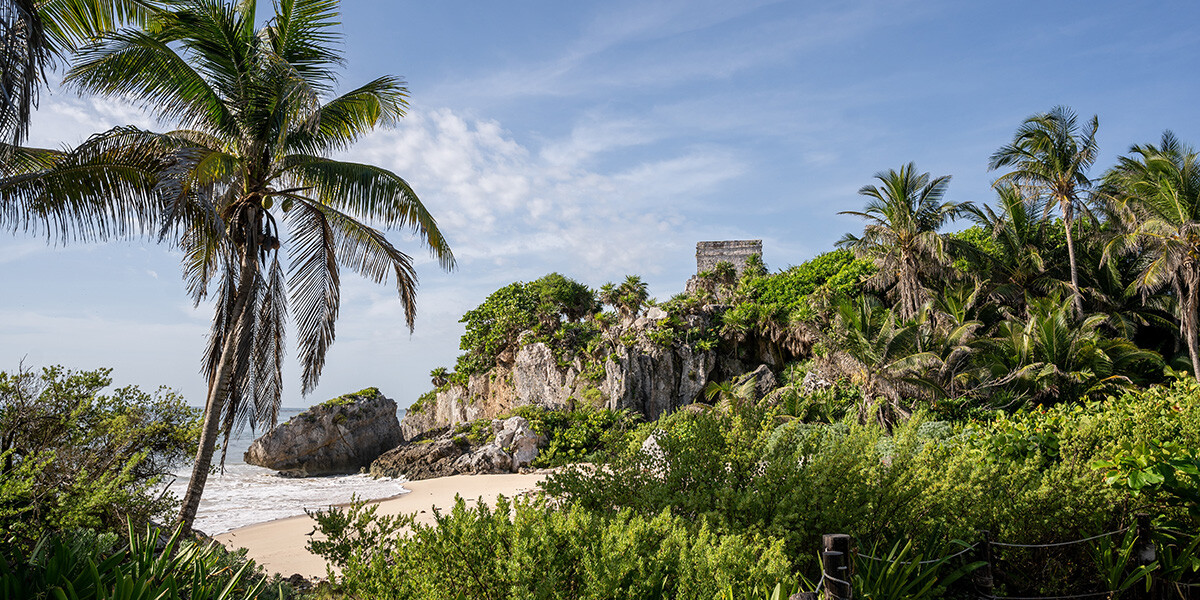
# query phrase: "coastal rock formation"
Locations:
[[644, 377], [513, 446], [342, 435]]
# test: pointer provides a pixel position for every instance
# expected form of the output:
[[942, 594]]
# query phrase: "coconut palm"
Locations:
[[1052, 154], [1156, 192], [248, 175], [36, 33], [1053, 355], [1018, 230], [901, 237], [879, 353]]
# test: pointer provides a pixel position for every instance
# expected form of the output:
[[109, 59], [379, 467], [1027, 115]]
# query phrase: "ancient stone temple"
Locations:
[[735, 252]]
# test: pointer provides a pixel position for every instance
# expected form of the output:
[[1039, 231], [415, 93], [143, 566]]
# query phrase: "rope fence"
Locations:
[[1058, 544], [836, 554]]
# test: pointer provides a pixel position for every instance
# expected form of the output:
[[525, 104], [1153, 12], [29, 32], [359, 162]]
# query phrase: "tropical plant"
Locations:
[[1050, 153], [881, 355], [154, 566], [34, 34], [439, 376], [73, 456], [1018, 231], [1157, 193], [901, 237], [1053, 355], [627, 298], [257, 125]]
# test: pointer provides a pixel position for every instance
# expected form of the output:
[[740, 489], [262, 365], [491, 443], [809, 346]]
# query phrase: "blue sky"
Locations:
[[604, 139]]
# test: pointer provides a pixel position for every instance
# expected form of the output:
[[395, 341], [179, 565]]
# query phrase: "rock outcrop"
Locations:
[[641, 376], [343, 435], [513, 446]]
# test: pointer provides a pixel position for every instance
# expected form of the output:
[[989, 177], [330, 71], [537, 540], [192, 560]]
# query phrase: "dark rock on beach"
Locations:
[[512, 447], [342, 435]]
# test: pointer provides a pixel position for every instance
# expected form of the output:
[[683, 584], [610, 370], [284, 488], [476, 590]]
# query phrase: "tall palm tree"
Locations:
[[36, 33], [1052, 153], [256, 123], [1156, 193], [901, 237]]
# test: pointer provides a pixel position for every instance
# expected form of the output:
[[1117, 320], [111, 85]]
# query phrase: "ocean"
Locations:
[[245, 494]]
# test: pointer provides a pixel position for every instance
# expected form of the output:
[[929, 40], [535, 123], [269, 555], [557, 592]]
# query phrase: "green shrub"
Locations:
[[533, 550], [85, 566], [71, 457]]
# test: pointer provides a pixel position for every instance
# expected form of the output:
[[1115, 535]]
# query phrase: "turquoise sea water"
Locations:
[[245, 494]]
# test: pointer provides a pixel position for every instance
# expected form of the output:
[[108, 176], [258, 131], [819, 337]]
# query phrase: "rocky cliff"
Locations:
[[642, 369]]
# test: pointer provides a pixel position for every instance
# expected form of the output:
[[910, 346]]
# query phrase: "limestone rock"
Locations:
[[340, 436], [764, 381], [514, 446]]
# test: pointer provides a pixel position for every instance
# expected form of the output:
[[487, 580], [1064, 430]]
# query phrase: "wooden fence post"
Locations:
[[984, 581], [1144, 553], [835, 561]]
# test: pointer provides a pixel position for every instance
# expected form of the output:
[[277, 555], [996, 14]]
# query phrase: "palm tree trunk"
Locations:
[[219, 386], [1077, 300], [1188, 316]]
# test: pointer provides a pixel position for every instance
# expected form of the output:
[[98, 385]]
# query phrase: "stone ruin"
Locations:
[[735, 252]]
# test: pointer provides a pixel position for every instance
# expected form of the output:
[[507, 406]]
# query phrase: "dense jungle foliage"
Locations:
[[1032, 375]]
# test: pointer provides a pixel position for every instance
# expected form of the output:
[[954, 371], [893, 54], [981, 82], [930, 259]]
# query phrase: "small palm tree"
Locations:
[[1053, 355], [1052, 154], [439, 376], [627, 298], [1156, 192], [879, 353], [1018, 230], [901, 237], [245, 176]]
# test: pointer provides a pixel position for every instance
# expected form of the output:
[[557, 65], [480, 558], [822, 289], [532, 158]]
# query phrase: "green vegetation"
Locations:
[[74, 458], [87, 566], [532, 550], [1028, 376], [571, 436], [554, 308]]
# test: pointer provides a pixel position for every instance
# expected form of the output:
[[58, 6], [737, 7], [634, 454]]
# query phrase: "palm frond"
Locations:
[[313, 284], [370, 194]]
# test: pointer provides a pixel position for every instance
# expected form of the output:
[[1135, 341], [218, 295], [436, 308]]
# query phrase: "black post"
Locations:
[[835, 560], [1145, 553], [983, 575]]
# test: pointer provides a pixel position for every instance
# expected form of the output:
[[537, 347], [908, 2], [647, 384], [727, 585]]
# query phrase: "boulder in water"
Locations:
[[342, 435]]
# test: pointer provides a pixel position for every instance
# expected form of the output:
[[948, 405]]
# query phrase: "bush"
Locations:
[[1029, 478], [73, 458], [86, 566], [573, 436], [532, 550]]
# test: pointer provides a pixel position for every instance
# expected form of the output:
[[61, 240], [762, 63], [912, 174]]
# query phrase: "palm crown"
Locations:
[[901, 237]]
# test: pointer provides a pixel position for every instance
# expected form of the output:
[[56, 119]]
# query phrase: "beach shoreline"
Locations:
[[279, 545]]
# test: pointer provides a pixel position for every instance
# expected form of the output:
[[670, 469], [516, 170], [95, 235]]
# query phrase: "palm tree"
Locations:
[[880, 354], [1018, 230], [256, 125], [1053, 355], [36, 33], [1052, 154], [901, 236], [627, 298], [1156, 193]]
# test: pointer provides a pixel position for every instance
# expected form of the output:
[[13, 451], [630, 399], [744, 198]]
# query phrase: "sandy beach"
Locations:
[[279, 545]]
